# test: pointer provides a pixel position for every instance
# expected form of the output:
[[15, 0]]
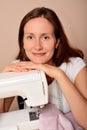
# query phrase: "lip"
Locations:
[[38, 54]]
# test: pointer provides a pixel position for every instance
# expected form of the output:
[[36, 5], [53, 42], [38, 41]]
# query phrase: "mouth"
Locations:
[[38, 54]]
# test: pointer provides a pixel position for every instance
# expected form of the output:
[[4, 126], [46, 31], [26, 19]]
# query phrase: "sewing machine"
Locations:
[[33, 87]]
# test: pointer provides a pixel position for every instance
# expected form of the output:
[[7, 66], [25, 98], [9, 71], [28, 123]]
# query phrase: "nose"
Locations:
[[38, 44]]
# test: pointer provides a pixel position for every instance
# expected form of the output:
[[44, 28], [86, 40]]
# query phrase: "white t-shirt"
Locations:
[[55, 94]]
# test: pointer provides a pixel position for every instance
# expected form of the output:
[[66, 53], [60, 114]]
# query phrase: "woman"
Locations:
[[44, 46]]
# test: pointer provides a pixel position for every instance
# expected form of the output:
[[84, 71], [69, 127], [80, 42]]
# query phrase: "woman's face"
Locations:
[[39, 40]]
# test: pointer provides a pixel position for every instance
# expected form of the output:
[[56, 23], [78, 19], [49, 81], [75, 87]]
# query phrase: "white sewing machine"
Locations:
[[33, 87]]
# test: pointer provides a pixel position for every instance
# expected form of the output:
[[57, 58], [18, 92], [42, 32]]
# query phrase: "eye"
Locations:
[[46, 37], [30, 37]]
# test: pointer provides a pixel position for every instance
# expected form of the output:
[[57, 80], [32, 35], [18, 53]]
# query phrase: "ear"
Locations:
[[57, 43]]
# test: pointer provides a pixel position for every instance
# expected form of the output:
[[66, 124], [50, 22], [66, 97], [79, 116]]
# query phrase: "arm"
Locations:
[[6, 102], [1, 105], [76, 94]]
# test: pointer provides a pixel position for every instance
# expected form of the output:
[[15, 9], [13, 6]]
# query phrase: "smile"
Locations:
[[38, 54]]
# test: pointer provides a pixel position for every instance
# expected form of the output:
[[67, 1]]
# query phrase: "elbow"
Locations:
[[82, 121]]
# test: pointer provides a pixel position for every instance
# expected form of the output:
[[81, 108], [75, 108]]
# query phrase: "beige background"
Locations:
[[72, 13]]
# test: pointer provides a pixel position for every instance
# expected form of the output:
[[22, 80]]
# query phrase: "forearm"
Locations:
[[7, 103], [77, 102], [1, 105]]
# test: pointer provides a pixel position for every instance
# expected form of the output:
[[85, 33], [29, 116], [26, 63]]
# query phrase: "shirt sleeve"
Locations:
[[74, 68]]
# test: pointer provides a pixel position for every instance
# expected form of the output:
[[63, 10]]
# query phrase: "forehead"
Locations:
[[38, 25]]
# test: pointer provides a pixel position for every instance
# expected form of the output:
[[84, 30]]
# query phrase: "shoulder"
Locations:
[[77, 61], [73, 67]]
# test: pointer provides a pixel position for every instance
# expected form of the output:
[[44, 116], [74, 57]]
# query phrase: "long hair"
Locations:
[[64, 50]]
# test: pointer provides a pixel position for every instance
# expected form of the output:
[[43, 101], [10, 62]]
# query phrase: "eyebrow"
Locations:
[[41, 33]]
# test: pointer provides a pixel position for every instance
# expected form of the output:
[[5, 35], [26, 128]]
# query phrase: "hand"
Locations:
[[14, 67], [24, 66], [50, 70]]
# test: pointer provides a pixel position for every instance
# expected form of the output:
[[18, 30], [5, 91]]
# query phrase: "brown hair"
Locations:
[[64, 50]]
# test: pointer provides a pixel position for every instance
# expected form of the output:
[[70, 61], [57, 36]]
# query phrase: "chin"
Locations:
[[39, 62]]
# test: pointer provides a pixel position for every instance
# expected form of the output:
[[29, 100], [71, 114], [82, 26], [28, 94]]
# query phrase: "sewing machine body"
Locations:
[[30, 85], [18, 120]]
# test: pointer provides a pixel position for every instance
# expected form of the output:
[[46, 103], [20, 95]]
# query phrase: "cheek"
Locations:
[[27, 46], [27, 49], [51, 48]]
